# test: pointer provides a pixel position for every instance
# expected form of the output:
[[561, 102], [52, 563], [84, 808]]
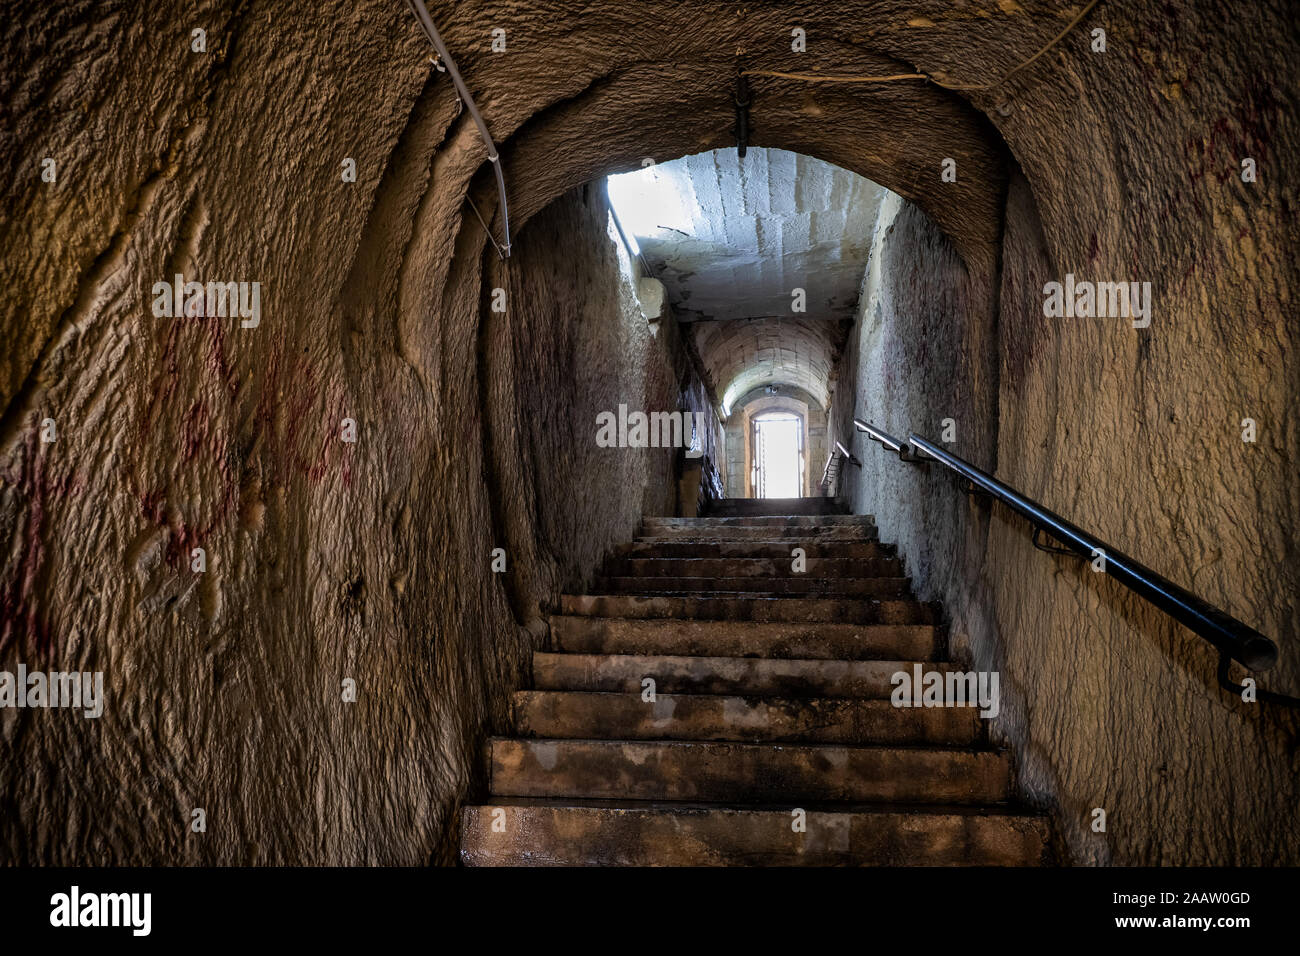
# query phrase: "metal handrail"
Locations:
[[826, 472], [843, 452], [876, 434], [848, 454], [1233, 639]]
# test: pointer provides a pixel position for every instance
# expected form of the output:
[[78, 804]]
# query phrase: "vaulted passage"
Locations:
[[400, 525]]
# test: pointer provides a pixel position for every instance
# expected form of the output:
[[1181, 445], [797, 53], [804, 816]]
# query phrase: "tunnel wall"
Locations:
[[923, 351], [573, 344], [369, 561], [1106, 702], [326, 560]]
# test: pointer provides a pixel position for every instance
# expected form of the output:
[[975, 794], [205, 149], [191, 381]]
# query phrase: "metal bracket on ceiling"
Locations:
[[742, 100]]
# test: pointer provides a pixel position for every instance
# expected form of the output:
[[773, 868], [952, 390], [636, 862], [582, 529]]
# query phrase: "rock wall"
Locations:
[[573, 343], [326, 560], [922, 358], [224, 161], [1106, 702]]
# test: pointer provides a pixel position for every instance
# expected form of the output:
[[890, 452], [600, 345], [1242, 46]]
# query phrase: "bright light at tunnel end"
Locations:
[[648, 201]]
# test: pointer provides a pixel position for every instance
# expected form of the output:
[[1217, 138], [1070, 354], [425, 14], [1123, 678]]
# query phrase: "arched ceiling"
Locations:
[[614, 111], [743, 354], [610, 113], [736, 241], [733, 237]]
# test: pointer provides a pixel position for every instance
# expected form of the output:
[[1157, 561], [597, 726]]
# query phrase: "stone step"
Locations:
[[778, 506], [583, 715], [743, 676], [754, 567], [812, 532], [775, 550], [732, 608], [763, 521], [745, 773], [771, 587], [667, 835], [847, 642]]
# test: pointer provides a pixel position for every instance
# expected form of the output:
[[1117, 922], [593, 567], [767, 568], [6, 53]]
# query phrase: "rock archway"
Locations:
[[372, 560]]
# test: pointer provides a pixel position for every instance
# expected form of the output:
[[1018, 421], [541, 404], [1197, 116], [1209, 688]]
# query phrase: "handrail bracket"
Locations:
[[1049, 548]]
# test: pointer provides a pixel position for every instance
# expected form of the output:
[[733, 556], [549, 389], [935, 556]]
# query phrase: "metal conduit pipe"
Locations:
[[422, 14]]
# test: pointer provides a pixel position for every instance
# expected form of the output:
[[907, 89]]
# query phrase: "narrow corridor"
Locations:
[[384, 470]]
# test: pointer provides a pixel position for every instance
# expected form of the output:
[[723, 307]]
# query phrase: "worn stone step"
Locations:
[[814, 532], [745, 773], [566, 835], [776, 550], [744, 676], [754, 567], [830, 610], [824, 587], [762, 521], [778, 506], [848, 642], [626, 716]]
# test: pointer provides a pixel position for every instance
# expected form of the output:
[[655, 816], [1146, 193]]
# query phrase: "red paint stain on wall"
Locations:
[[24, 622]]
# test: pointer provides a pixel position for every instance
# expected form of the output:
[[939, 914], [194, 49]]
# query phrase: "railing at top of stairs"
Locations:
[[1233, 639], [839, 454]]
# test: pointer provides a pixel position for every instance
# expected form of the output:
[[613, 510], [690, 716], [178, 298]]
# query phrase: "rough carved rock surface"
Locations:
[[372, 560]]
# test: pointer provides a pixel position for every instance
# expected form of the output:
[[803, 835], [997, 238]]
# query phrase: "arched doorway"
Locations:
[[745, 449], [779, 463]]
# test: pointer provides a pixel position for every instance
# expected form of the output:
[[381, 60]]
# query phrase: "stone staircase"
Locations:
[[771, 695]]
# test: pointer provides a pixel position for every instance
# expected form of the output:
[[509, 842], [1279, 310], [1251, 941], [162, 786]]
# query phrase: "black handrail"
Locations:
[[876, 434], [1231, 637]]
